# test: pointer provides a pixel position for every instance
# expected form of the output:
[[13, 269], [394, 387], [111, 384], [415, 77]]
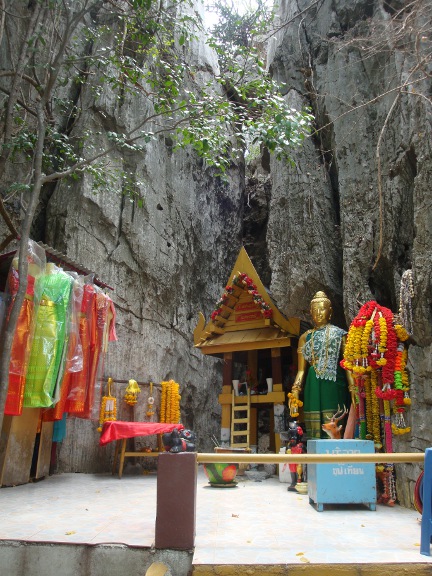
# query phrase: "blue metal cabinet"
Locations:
[[341, 483]]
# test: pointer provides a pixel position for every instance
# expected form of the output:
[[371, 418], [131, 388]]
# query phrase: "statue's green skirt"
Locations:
[[322, 399]]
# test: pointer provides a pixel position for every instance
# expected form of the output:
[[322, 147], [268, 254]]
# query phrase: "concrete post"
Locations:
[[176, 501], [426, 523]]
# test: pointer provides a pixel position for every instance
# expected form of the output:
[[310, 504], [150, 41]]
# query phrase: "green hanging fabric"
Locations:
[[49, 339]]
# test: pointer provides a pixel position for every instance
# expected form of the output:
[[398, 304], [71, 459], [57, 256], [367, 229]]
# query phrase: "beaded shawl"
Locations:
[[322, 349]]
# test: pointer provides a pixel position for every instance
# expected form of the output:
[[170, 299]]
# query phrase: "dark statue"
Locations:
[[179, 441], [295, 446]]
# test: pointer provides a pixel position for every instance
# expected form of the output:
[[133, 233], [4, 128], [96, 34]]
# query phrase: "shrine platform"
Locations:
[[79, 524]]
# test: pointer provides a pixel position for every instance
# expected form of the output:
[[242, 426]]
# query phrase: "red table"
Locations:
[[120, 431]]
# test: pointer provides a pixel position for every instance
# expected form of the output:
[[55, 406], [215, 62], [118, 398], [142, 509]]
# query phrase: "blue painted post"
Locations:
[[426, 523]]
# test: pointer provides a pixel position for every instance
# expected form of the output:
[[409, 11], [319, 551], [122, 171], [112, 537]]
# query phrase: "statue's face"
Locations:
[[320, 312]]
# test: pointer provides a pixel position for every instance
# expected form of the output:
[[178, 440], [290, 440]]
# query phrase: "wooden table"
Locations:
[[120, 432]]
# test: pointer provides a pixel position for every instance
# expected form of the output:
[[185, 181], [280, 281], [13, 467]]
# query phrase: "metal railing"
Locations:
[[342, 458]]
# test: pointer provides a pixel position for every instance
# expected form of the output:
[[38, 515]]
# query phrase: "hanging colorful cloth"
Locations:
[[49, 339], [101, 311], [109, 335], [73, 354], [20, 345], [87, 326], [24, 331]]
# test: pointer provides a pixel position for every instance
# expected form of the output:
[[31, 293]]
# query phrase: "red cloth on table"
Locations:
[[119, 430]]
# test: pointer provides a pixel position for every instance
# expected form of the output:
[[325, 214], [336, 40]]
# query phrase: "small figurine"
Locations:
[[179, 441], [331, 428], [295, 446]]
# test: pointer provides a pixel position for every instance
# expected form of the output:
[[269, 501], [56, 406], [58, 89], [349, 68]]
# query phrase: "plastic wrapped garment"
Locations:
[[72, 353], [49, 339], [101, 313], [25, 326], [107, 315], [75, 400]]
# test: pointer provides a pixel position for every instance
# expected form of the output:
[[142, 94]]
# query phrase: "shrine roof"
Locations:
[[245, 317], [253, 339]]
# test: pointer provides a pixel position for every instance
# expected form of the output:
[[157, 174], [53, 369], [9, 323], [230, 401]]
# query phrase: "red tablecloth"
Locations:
[[118, 430]]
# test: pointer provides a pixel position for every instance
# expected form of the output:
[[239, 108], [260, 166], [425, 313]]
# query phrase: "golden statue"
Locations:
[[328, 387]]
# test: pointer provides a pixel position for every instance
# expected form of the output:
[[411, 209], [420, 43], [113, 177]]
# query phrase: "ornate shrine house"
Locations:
[[257, 343]]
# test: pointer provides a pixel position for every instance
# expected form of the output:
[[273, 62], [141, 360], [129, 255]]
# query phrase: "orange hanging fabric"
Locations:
[[20, 346], [79, 380]]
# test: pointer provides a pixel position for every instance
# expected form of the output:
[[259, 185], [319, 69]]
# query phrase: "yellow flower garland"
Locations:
[[131, 393], [108, 409], [368, 351], [170, 402], [376, 419], [294, 405], [401, 333], [369, 407]]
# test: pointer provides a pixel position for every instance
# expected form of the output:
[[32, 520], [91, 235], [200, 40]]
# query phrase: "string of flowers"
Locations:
[[405, 301], [294, 404], [150, 402], [108, 409], [376, 421], [170, 402], [131, 393], [245, 282], [376, 354]]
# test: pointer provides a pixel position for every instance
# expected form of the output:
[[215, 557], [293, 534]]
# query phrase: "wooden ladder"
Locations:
[[240, 414]]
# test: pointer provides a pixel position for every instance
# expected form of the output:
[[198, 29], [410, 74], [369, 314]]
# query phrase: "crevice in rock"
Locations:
[[256, 205]]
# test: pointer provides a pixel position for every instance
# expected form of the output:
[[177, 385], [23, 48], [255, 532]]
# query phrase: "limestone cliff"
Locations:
[[311, 226], [347, 61]]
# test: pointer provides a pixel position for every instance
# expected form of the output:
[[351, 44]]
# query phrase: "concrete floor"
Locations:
[[257, 523]]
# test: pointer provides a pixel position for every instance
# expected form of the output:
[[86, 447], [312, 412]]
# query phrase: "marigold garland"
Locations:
[[131, 393], [108, 409], [170, 402], [294, 404], [377, 356]]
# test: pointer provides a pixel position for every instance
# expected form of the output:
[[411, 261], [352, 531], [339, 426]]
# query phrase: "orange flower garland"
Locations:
[[376, 354], [131, 393], [294, 404], [170, 402], [108, 409]]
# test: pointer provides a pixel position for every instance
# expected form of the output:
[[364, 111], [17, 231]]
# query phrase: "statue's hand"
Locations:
[[353, 398], [295, 392]]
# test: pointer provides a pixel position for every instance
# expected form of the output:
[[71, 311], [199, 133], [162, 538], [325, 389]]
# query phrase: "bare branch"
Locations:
[[285, 24]]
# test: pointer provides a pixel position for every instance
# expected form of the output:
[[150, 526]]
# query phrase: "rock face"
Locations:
[[324, 218], [308, 227], [167, 257]]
